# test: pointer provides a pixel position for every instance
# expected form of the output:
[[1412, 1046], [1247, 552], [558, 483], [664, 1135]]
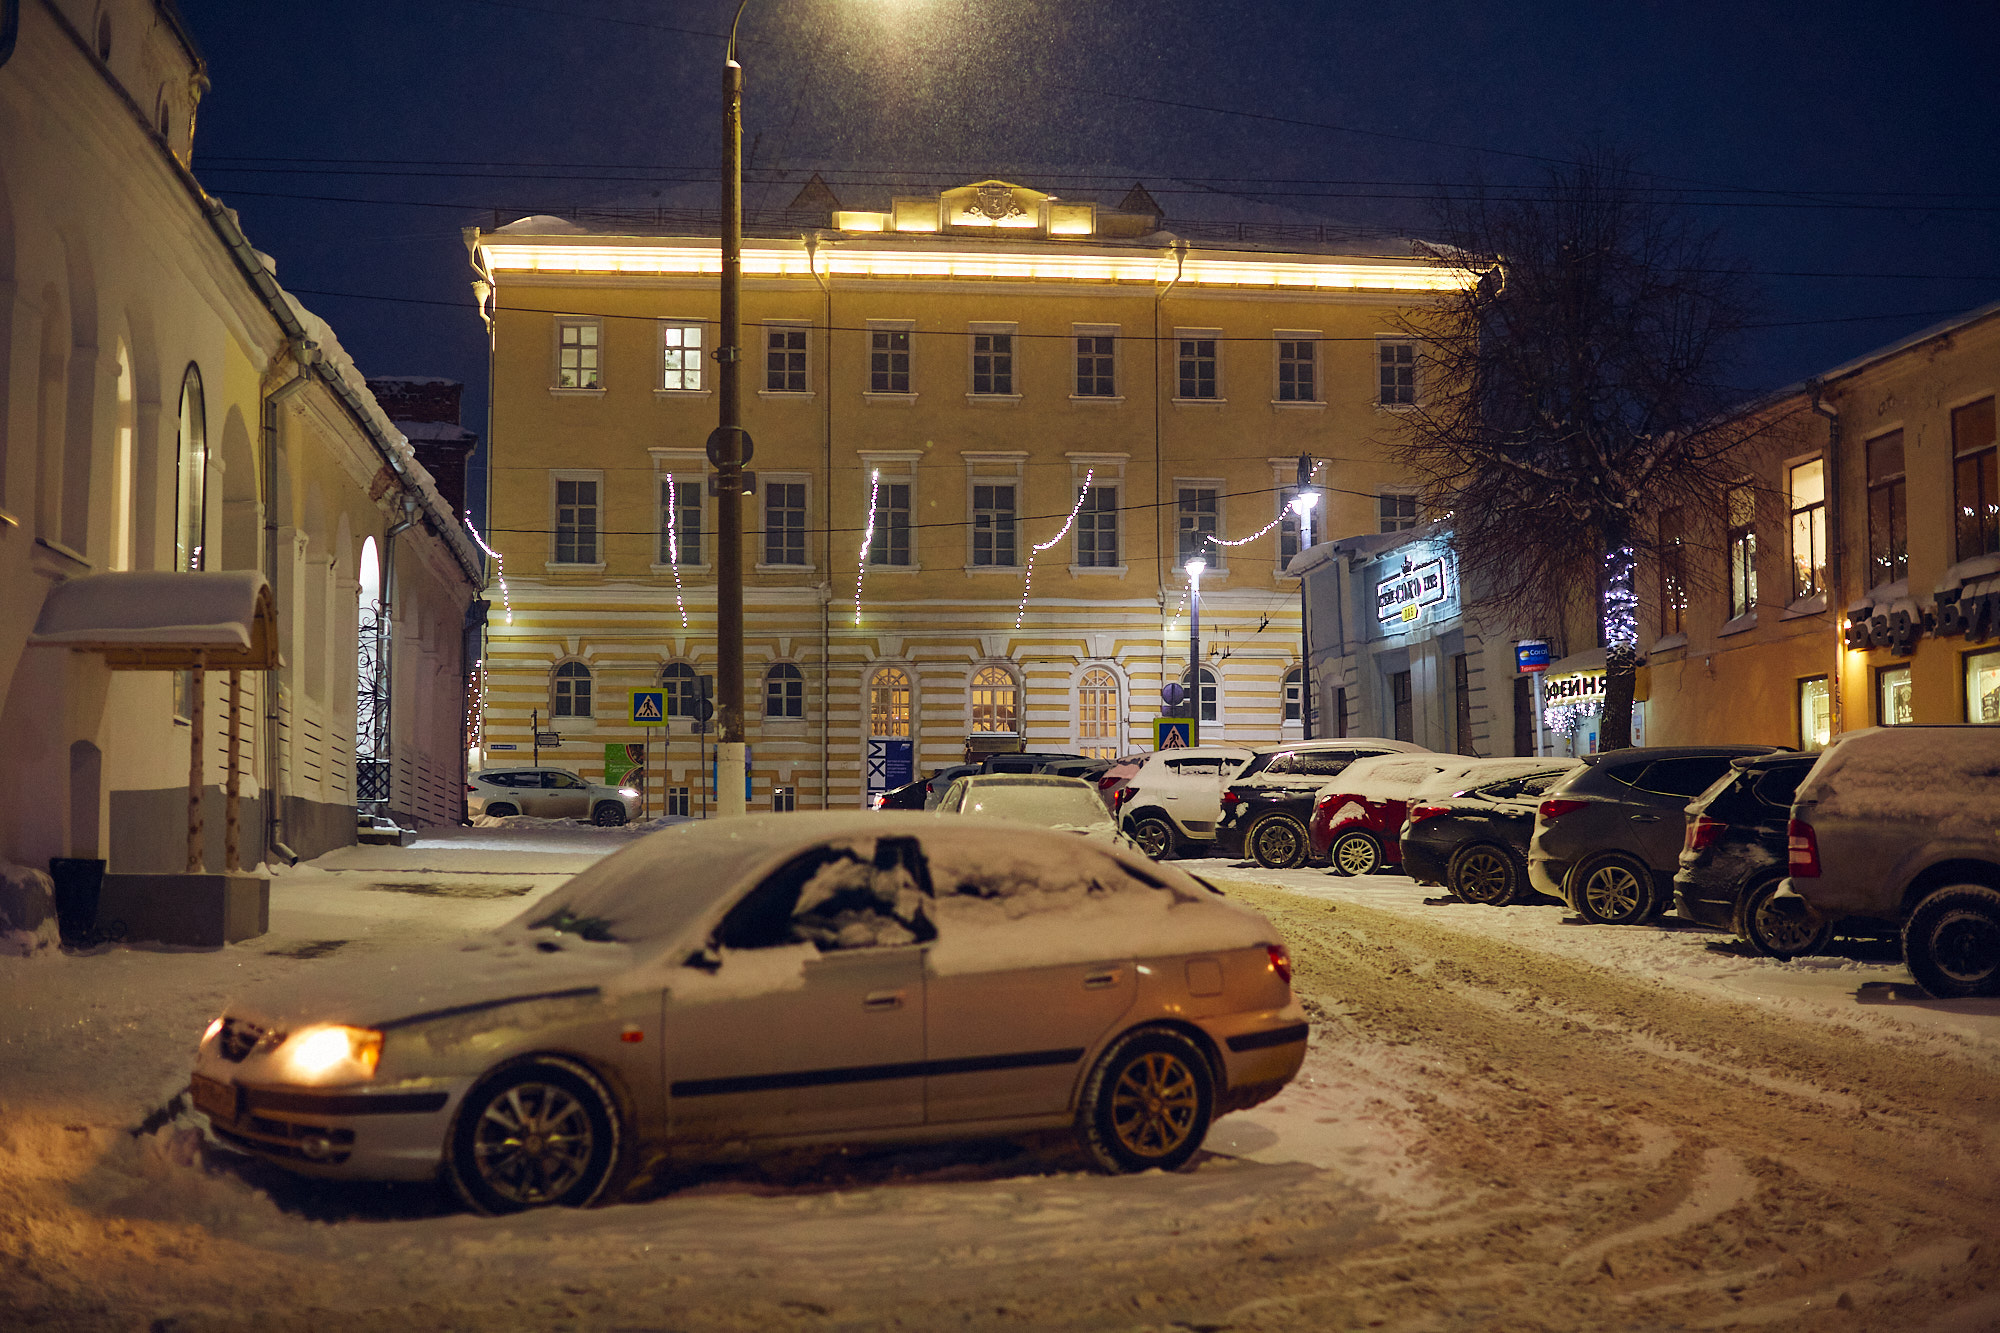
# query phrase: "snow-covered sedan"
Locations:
[[770, 982], [1042, 799]]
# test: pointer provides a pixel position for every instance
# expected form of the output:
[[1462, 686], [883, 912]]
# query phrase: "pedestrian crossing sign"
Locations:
[[1172, 733], [649, 708]]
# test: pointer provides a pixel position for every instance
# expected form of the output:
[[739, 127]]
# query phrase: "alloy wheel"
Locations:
[[1484, 876], [1155, 1104], [1354, 854], [533, 1142], [1614, 893]]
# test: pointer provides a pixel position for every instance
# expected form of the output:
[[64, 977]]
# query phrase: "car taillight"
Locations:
[[1701, 832], [1119, 797], [1802, 846], [1281, 961], [469, 789], [879, 800], [1557, 808], [1419, 813], [1230, 798], [1104, 783]]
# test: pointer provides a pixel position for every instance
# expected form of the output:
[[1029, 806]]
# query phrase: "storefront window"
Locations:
[[1815, 713], [1982, 687], [1895, 705]]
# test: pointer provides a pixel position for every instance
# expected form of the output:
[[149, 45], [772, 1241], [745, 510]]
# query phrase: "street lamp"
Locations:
[[1194, 566], [1302, 506]]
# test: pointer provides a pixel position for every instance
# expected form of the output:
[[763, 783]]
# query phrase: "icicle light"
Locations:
[[499, 568], [867, 539], [674, 543], [1028, 581]]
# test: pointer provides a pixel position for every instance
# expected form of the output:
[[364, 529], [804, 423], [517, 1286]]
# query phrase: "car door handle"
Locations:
[[1645, 819], [1101, 980], [883, 999]]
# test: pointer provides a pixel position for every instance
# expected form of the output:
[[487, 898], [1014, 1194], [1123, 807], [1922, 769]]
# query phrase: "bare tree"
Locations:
[[1575, 388]]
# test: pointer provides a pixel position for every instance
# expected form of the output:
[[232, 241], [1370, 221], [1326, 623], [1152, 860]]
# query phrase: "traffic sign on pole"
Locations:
[[649, 708], [1172, 733]]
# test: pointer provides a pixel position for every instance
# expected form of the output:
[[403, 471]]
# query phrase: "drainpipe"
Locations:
[[386, 628], [826, 508], [1834, 604], [304, 353]]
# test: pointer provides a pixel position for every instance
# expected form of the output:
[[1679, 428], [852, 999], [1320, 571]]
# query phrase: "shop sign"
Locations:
[[1403, 597], [1532, 654], [1976, 617], [1580, 687]]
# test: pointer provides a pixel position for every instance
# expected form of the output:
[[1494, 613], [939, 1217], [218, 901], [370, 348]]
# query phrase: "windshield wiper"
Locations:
[[596, 929]]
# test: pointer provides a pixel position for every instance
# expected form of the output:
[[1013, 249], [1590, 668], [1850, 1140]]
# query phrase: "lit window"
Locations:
[[1888, 511], [1298, 367], [1673, 571], [784, 691], [1975, 481], [1982, 687], [680, 356], [889, 703], [578, 356], [1808, 500], [995, 701], [1742, 536], [1815, 713], [1097, 714], [1398, 385], [1895, 701], [572, 695]]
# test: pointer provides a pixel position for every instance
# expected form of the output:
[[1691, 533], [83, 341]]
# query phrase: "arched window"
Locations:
[[1295, 695], [1210, 693], [572, 696], [191, 512], [889, 703], [1097, 714], [371, 693], [784, 691], [996, 701], [682, 687]]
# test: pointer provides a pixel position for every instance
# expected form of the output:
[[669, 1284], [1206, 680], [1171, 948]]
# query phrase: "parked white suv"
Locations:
[[1173, 803], [549, 793]]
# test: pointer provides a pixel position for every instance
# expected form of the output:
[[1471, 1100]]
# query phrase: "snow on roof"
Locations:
[[216, 612], [411, 379], [434, 430]]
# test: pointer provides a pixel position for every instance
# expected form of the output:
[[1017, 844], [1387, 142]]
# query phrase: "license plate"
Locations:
[[214, 1098]]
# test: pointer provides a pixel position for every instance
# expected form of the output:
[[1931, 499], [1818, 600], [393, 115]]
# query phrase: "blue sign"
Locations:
[[1172, 733], [1532, 654], [891, 764]]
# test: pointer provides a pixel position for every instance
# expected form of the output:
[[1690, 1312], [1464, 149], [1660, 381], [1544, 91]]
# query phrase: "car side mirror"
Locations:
[[708, 958]]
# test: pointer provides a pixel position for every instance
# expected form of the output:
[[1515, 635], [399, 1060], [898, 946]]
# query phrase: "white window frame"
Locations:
[[1110, 331], [1416, 372], [556, 720], [556, 385], [1807, 600], [1221, 718], [764, 481], [764, 330], [897, 467], [1221, 392], [889, 397], [1218, 556], [784, 719], [1120, 694], [1013, 333], [685, 465], [1285, 685], [1315, 338], [1104, 470], [995, 468], [1013, 672], [596, 477], [701, 385]]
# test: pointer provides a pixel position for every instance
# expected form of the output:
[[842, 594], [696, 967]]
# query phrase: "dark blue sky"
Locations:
[[1842, 139]]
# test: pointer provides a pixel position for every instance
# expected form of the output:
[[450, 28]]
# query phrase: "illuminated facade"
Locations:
[[990, 425]]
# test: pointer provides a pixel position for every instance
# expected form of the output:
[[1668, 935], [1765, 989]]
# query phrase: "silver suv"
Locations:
[[1172, 804], [552, 793], [1902, 825]]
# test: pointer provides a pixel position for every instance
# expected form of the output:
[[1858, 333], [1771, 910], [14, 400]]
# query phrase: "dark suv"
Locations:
[[1733, 858], [1265, 810], [1473, 842], [1607, 837]]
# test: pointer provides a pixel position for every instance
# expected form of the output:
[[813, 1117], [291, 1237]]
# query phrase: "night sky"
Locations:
[[1848, 152]]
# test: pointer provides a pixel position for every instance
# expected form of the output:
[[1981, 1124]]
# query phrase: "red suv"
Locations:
[[1357, 818]]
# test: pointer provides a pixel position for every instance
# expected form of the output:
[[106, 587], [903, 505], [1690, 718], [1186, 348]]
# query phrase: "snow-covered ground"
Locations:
[[1505, 1120]]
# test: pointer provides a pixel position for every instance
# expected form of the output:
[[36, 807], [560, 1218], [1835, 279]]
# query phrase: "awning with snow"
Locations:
[[224, 620]]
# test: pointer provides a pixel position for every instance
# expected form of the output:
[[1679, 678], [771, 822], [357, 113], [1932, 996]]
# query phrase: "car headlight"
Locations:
[[330, 1053], [628, 792]]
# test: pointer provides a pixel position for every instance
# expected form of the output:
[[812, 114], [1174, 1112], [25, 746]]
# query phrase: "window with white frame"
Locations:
[[1097, 714], [996, 701], [571, 695], [993, 360], [682, 687], [1197, 522], [1298, 370], [579, 357], [1096, 363], [1741, 540], [784, 691], [680, 520], [1097, 528], [680, 356], [993, 523], [888, 358], [576, 519], [889, 702], [1399, 511], [1210, 694], [1198, 367], [785, 523], [1295, 695], [785, 359], [1396, 359]]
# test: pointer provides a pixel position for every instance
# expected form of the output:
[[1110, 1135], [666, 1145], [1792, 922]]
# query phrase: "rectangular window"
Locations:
[[576, 522], [1673, 572], [1096, 376], [678, 803], [1197, 368], [1399, 512], [680, 356], [784, 360], [680, 521], [993, 363], [1195, 521], [785, 523], [1398, 383], [1807, 488], [1298, 370], [890, 544], [1895, 704], [578, 357], [888, 361], [1402, 717], [1975, 482], [1815, 713], [784, 800], [992, 524], [1295, 691], [1888, 511], [1461, 699], [1742, 516], [1097, 528], [1982, 686]]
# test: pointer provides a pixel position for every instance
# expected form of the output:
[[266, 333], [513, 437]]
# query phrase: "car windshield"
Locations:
[[1049, 804]]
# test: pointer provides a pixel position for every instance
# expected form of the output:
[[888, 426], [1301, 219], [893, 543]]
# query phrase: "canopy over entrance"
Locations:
[[221, 620]]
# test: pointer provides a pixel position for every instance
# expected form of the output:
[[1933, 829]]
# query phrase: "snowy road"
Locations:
[[1505, 1121]]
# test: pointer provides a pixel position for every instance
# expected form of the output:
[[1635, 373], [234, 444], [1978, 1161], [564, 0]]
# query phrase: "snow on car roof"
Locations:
[[1481, 772], [1390, 775], [1948, 776]]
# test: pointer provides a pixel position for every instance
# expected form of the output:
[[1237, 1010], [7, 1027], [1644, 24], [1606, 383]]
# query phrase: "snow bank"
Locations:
[[1946, 776]]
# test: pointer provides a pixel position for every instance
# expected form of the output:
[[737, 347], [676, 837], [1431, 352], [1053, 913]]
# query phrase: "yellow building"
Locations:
[[1852, 578], [989, 425]]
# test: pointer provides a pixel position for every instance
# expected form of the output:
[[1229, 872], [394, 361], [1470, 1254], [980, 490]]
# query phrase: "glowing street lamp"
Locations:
[[1302, 505], [1194, 566]]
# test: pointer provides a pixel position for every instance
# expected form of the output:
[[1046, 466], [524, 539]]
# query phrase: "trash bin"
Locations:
[[79, 881]]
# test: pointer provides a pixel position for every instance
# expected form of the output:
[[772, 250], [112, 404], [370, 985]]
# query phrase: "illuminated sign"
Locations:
[[1581, 687], [1404, 597], [1532, 654]]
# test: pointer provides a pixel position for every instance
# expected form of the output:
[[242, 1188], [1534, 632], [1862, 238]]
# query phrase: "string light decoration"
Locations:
[[475, 707], [1568, 717], [1621, 603], [1028, 581], [674, 543], [867, 539], [499, 568]]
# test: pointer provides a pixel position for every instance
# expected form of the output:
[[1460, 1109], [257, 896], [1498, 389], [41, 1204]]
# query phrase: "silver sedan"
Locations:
[[739, 987]]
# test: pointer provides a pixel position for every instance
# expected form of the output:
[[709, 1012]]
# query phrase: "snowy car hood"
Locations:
[[372, 990]]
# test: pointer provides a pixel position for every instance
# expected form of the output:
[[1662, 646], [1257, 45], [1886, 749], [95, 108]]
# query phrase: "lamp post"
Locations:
[[726, 450], [1194, 567], [1302, 505]]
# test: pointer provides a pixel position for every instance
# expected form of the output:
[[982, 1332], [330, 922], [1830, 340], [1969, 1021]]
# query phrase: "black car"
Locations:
[[1733, 858], [1266, 809], [1476, 843], [909, 796]]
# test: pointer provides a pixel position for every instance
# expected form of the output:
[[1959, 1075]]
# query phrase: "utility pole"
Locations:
[[1304, 510], [726, 451]]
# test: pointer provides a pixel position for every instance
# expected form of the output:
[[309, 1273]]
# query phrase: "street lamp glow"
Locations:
[[1194, 566]]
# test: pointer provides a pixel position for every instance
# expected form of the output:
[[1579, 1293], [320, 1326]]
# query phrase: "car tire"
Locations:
[[1613, 890], [543, 1133], [1155, 837], [1951, 942], [1277, 842], [500, 811], [608, 814], [1486, 874], [1354, 853], [1786, 928], [1148, 1103]]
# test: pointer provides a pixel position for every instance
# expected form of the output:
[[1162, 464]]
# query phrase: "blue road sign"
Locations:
[[649, 708], [1172, 733]]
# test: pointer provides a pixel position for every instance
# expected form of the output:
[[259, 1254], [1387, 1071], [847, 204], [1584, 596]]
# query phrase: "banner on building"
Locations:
[[890, 764]]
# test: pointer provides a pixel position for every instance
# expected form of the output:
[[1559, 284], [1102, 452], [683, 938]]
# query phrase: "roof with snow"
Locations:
[[165, 621]]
